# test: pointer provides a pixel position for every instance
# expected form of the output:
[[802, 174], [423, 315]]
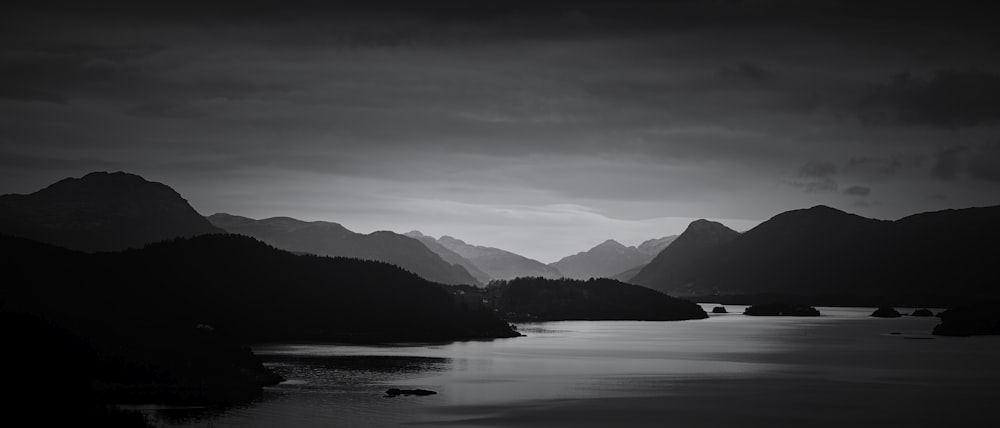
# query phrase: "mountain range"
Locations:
[[822, 251], [494, 262], [101, 212], [450, 256], [331, 239], [610, 258], [814, 251]]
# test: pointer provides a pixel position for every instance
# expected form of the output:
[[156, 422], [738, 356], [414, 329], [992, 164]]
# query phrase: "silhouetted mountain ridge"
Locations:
[[824, 251], [332, 239], [101, 212], [238, 285]]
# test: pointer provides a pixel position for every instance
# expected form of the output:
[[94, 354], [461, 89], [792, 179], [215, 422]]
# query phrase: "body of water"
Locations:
[[841, 369]]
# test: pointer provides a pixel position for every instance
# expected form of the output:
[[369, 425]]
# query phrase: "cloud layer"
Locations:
[[502, 122]]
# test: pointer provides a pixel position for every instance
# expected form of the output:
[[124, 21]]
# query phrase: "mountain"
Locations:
[[652, 247], [542, 299], [237, 285], [101, 212], [450, 256], [821, 251], [497, 263], [667, 272], [602, 261], [609, 258], [331, 239]]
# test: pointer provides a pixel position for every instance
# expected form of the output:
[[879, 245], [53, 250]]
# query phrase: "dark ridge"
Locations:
[[831, 257], [244, 287], [331, 239], [101, 212]]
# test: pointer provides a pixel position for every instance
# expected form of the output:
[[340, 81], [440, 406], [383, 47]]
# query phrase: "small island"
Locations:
[[781, 309], [886, 312], [719, 310], [922, 313]]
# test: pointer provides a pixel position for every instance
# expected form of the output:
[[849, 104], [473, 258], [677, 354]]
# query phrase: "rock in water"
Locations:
[[922, 313], [393, 392], [719, 310]]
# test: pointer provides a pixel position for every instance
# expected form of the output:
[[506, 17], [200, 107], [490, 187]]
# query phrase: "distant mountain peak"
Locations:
[[414, 234], [705, 226], [604, 260], [447, 238], [108, 183], [497, 263], [611, 243]]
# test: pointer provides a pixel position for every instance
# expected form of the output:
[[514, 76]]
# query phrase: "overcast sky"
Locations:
[[540, 127]]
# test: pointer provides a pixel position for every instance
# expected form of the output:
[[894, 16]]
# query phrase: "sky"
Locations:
[[541, 127]]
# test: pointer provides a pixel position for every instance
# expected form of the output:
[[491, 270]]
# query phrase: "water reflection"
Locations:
[[343, 385]]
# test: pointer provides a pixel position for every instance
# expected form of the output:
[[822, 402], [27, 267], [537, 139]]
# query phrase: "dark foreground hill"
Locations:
[[542, 299], [936, 258], [244, 287], [101, 212], [166, 322], [331, 239]]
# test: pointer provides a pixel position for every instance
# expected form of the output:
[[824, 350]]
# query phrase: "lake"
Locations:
[[841, 369]]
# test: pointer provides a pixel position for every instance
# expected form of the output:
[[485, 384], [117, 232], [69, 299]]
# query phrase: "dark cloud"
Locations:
[[747, 71], [817, 177], [985, 163], [949, 163], [817, 169], [27, 94], [874, 168], [980, 162], [858, 191], [947, 99], [612, 113]]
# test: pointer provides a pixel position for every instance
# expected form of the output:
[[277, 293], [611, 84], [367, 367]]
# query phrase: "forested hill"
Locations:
[[242, 286], [543, 299]]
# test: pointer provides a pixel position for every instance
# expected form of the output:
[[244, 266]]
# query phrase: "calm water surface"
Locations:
[[841, 369]]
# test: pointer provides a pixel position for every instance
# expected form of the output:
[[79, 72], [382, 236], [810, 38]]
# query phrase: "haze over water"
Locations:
[[841, 369]]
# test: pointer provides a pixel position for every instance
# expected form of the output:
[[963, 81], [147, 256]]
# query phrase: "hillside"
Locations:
[[450, 256], [497, 263], [332, 239], [670, 270]]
